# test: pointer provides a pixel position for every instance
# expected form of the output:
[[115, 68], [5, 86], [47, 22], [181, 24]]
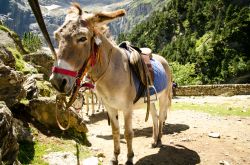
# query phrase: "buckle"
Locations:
[[155, 94]]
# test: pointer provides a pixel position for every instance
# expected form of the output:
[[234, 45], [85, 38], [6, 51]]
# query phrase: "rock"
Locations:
[[100, 159], [185, 139], [38, 77], [45, 89], [11, 89], [223, 162], [214, 135], [43, 109], [21, 132], [100, 155], [244, 110], [6, 57], [95, 149], [42, 61], [8, 142], [36, 86], [90, 161], [60, 158], [5, 40], [31, 88]]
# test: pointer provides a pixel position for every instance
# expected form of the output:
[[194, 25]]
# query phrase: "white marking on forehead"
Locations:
[[63, 64], [98, 41]]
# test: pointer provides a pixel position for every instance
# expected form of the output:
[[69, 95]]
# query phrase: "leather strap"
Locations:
[[64, 71], [146, 60], [34, 4]]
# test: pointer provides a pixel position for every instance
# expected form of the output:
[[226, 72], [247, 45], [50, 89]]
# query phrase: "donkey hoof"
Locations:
[[156, 144], [159, 143], [113, 162], [129, 163], [153, 145]]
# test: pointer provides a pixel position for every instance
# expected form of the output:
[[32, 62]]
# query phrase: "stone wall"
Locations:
[[213, 90]]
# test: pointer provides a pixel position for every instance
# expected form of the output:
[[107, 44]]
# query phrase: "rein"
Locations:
[[34, 4], [79, 75]]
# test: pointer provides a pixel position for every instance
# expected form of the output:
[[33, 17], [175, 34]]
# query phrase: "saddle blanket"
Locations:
[[160, 78]]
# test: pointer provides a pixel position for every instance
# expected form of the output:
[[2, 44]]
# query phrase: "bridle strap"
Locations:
[[82, 72], [64, 71]]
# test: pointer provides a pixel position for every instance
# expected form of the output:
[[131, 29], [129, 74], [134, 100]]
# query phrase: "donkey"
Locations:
[[83, 44]]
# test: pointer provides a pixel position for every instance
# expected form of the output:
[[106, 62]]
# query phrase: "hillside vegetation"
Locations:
[[210, 38]]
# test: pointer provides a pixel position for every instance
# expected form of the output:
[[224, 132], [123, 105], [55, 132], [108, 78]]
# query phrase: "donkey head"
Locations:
[[76, 38]]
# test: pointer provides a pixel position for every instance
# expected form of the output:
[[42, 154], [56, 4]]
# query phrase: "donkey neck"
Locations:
[[105, 51]]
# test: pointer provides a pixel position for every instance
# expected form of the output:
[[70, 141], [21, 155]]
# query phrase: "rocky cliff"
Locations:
[[137, 11], [17, 14], [25, 94]]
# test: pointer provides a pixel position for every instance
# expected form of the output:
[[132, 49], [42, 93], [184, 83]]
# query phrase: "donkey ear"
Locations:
[[106, 17]]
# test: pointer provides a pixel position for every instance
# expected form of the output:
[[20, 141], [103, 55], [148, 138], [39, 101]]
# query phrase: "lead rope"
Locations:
[[62, 98], [34, 4]]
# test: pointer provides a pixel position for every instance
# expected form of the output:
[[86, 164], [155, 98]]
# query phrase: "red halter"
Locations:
[[64, 71], [78, 74]]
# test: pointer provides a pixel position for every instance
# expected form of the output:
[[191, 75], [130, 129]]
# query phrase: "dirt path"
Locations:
[[185, 140]]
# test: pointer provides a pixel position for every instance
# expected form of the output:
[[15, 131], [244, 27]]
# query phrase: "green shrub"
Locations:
[[31, 41], [185, 74]]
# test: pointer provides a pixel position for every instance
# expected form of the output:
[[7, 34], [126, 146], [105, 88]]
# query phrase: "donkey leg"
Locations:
[[93, 103], [163, 104], [154, 115], [87, 103], [129, 134], [113, 115]]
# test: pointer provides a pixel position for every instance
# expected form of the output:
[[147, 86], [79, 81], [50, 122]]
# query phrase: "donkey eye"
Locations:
[[82, 39]]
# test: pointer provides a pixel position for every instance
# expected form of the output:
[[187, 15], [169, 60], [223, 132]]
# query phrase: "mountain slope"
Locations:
[[213, 35], [18, 16]]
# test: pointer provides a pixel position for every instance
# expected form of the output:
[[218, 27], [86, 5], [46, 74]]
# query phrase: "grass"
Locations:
[[44, 89], [21, 65], [213, 109], [32, 153], [24, 101], [3, 28]]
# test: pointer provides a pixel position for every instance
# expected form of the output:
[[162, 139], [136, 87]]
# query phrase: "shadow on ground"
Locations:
[[20, 112], [147, 132], [98, 117], [171, 155]]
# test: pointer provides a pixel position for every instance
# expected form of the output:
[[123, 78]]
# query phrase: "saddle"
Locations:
[[139, 61]]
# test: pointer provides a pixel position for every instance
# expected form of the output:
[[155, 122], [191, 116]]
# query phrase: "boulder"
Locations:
[[11, 89], [8, 142], [36, 87], [6, 40], [42, 62], [31, 87], [60, 158], [10, 39], [43, 109], [7, 57], [21, 132]]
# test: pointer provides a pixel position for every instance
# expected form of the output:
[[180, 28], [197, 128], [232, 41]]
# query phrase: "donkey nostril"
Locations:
[[64, 82]]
